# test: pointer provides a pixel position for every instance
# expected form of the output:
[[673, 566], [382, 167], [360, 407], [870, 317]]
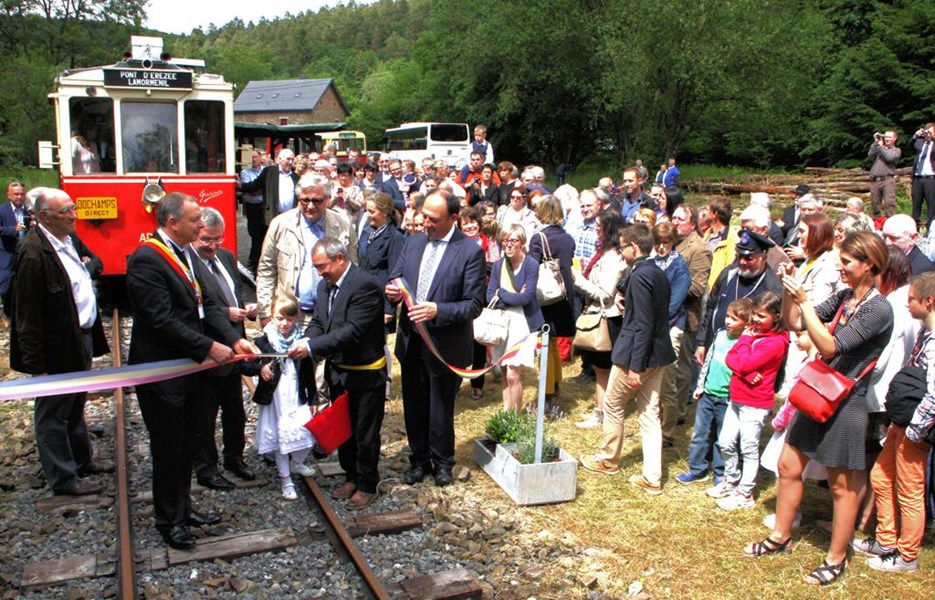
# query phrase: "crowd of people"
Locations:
[[700, 311]]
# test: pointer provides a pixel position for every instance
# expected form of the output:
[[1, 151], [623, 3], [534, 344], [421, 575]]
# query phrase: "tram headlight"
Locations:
[[152, 194]]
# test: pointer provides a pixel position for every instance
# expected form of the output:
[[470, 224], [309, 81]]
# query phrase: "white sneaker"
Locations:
[[288, 490], [592, 422], [893, 563], [301, 469], [870, 547], [721, 490], [769, 521], [736, 501]]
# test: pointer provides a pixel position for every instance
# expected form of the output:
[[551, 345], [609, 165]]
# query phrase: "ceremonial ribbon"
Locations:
[[512, 351], [110, 378]]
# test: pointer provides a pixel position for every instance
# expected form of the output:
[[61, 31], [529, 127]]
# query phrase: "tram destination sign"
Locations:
[[96, 207], [148, 78]]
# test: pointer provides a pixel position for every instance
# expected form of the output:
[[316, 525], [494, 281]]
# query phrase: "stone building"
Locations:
[[291, 102]]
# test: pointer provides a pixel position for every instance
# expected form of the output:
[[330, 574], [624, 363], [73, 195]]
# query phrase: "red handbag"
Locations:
[[820, 389], [332, 426]]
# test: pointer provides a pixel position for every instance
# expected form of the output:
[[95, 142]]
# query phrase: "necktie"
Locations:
[[331, 296], [923, 156], [428, 268], [222, 283]]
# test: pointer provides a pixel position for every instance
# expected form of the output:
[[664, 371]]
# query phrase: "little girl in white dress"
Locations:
[[280, 427]]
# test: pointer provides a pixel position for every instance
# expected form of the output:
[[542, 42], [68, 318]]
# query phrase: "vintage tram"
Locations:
[[131, 132]]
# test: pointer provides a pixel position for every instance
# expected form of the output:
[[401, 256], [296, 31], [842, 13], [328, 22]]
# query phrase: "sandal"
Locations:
[[767, 546], [826, 573]]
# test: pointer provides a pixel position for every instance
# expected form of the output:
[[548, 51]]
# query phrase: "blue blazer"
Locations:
[[457, 289], [391, 188], [528, 276], [644, 340]]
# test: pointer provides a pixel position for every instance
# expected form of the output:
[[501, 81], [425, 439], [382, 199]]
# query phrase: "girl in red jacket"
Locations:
[[756, 361]]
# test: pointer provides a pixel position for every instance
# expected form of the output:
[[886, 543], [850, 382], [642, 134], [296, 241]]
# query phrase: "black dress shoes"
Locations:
[[415, 474], [77, 487], [239, 468], [443, 477], [197, 519], [179, 537], [217, 482], [97, 468]]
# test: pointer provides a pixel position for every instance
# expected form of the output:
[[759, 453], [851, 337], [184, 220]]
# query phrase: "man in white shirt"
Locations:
[[56, 328]]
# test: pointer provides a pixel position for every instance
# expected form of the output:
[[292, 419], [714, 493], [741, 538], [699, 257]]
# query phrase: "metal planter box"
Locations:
[[542, 483]]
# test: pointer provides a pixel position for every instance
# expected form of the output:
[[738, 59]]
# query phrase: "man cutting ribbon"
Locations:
[[174, 318]]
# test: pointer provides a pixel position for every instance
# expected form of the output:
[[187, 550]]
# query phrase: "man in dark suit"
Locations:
[[923, 174], [226, 390], [277, 185], [391, 185], [790, 215], [640, 355], [446, 271], [174, 317], [346, 331], [56, 328], [899, 231], [14, 222]]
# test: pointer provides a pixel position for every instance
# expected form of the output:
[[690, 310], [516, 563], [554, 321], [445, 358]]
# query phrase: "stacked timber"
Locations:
[[833, 186]]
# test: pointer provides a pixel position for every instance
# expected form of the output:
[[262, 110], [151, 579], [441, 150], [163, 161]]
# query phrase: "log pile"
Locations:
[[833, 186]]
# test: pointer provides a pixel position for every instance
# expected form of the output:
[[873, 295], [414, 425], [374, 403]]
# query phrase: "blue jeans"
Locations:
[[709, 416]]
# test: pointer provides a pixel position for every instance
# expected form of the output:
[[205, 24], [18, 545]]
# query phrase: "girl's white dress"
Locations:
[[280, 426]]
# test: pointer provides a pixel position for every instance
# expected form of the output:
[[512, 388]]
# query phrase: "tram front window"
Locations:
[[150, 137], [92, 136], [204, 136]]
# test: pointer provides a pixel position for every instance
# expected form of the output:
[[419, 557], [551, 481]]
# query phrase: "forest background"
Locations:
[[752, 83]]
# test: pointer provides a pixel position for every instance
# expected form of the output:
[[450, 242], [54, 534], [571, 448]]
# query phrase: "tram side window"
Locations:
[[204, 136], [150, 137], [92, 136]]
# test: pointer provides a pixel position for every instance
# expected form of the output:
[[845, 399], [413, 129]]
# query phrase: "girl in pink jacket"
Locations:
[[755, 361]]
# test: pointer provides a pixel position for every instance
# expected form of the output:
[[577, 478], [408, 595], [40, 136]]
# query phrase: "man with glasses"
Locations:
[[747, 278], [392, 185], [224, 392], [899, 231], [285, 261], [56, 328]]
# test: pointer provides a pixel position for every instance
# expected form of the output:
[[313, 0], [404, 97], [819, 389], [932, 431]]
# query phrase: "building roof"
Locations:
[[284, 95]]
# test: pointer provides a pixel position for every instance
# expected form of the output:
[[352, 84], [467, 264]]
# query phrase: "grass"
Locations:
[[679, 544], [30, 177]]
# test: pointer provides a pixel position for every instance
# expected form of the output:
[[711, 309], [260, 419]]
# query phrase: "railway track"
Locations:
[[131, 562]]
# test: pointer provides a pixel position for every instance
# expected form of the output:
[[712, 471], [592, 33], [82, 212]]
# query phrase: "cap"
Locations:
[[752, 243], [802, 189]]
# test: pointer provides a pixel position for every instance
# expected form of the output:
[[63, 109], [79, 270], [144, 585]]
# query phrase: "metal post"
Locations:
[[540, 405]]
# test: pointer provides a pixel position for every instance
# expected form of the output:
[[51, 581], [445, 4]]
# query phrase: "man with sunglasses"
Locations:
[[285, 261]]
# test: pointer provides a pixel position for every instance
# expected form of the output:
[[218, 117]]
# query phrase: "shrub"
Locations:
[[504, 427]]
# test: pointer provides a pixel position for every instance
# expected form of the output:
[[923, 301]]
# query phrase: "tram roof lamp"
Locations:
[[91, 91], [145, 47]]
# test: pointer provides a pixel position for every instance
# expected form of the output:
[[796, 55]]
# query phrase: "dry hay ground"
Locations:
[[679, 544]]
